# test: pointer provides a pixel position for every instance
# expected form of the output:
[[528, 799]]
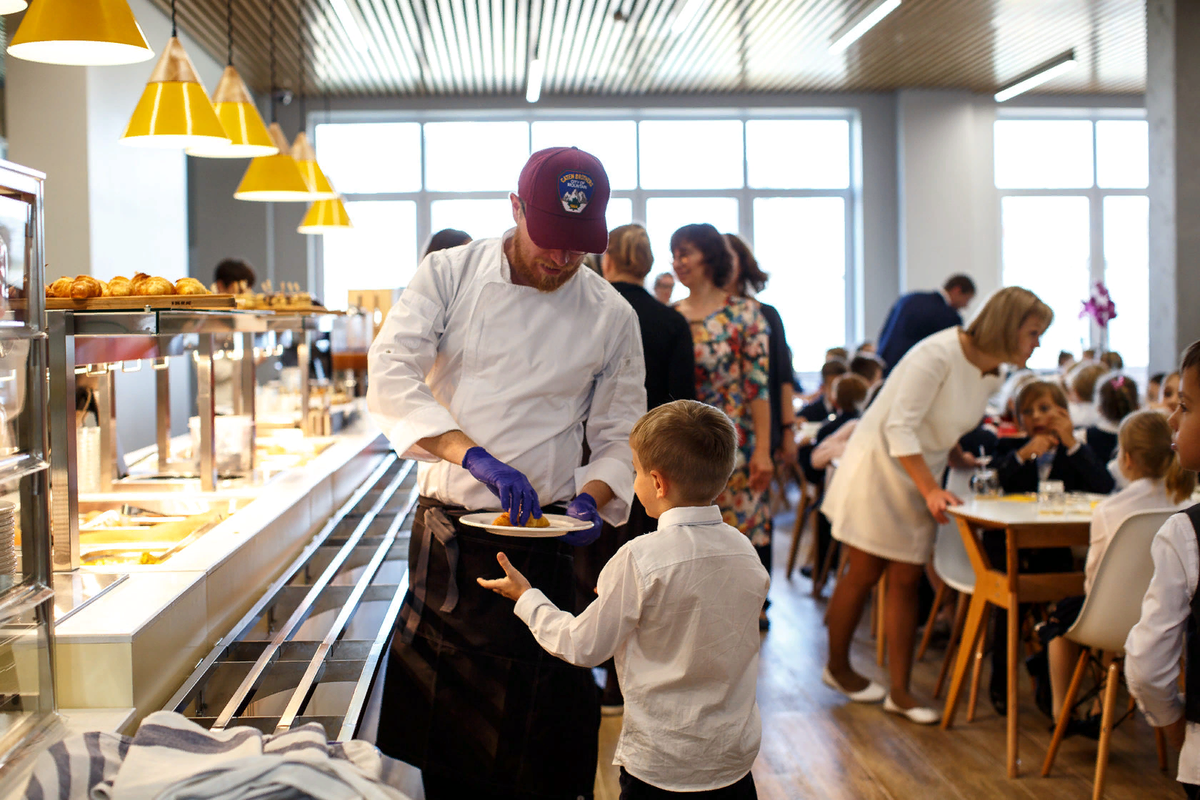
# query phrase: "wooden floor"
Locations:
[[816, 744]]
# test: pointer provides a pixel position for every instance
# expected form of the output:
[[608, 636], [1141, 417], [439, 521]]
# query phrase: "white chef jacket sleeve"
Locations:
[[920, 376], [398, 399], [1154, 644], [594, 636], [618, 401]]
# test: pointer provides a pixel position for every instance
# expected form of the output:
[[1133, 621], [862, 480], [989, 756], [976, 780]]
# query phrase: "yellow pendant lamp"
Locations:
[[248, 137], [274, 179], [79, 33], [326, 216], [306, 159], [174, 110]]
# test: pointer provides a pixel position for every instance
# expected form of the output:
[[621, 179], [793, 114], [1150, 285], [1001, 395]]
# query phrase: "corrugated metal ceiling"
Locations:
[[634, 47]]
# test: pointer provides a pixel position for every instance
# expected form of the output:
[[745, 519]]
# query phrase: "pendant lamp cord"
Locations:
[[174, 28], [229, 27], [271, 45]]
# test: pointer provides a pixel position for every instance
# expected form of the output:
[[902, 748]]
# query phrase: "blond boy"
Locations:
[[678, 610]]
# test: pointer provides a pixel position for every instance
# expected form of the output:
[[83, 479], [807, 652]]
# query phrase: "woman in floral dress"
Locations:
[[730, 337]]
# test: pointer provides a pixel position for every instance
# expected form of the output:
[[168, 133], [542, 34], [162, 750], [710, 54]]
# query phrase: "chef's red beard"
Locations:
[[523, 257]]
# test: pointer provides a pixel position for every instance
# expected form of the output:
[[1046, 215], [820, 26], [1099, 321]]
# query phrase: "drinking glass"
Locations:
[[985, 483], [1052, 497]]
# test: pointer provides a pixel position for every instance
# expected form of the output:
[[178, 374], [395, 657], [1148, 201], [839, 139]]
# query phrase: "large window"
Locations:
[[1074, 211], [783, 184]]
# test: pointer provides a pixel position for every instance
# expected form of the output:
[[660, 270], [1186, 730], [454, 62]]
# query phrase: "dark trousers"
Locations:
[[634, 789]]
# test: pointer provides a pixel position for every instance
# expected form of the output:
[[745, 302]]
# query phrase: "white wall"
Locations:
[[949, 212], [110, 209]]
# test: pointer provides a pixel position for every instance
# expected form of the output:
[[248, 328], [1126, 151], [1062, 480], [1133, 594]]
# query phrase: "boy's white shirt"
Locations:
[[678, 610], [1155, 643]]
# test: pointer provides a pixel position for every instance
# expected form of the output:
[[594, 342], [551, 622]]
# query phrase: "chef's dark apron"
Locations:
[[469, 695]]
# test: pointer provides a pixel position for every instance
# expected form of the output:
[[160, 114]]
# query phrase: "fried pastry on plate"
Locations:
[[534, 522]]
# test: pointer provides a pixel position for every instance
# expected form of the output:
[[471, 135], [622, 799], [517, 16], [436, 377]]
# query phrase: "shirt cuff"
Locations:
[[1075, 449], [528, 603], [421, 424], [619, 477]]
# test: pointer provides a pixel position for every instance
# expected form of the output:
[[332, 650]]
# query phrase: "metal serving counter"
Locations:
[[308, 649]]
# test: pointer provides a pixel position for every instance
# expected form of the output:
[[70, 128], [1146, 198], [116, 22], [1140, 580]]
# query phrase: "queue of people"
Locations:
[[649, 432]]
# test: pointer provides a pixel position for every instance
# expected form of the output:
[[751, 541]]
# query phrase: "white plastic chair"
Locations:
[[1104, 622], [953, 566]]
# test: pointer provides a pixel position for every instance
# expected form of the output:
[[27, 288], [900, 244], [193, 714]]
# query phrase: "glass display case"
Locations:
[[27, 704]]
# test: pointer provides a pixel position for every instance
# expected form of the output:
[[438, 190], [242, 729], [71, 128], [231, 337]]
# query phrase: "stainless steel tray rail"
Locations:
[[339, 600]]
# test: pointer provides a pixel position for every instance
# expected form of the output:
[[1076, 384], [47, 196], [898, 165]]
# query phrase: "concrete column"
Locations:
[[949, 220], [1173, 111]]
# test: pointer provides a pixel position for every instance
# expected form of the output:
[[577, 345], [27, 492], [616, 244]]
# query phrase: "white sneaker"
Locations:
[[918, 714], [871, 693]]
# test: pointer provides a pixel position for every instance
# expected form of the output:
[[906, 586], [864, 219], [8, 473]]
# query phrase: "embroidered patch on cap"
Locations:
[[575, 191]]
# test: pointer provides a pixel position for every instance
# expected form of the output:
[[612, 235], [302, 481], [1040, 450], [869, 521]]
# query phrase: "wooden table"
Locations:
[[1027, 525]]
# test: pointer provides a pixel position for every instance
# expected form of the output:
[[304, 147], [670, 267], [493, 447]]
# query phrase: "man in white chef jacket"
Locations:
[[497, 360]]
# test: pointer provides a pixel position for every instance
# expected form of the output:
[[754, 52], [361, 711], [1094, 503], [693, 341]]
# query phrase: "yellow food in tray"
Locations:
[[533, 522]]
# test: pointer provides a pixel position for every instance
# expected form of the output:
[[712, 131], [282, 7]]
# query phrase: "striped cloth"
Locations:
[[172, 758]]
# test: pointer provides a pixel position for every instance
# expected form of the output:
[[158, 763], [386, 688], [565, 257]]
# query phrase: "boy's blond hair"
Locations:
[[996, 327], [692, 444], [1083, 382]]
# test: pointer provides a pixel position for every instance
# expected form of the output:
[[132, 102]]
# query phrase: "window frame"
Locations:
[[1095, 194], [851, 194]]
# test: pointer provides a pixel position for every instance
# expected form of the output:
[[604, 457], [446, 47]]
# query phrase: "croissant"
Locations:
[[137, 279], [153, 286], [105, 289], [120, 286], [189, 286], [85, 286], [60, 288]]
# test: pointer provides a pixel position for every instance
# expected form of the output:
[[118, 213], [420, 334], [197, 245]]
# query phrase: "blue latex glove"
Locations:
[[516, 494], [583, 507]]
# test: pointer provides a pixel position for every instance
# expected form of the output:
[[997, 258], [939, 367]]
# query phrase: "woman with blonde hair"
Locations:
[[885, 500]]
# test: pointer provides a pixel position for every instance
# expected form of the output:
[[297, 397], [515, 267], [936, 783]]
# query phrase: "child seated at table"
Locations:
[[1049, 450], [1169, 620], [1081, 386], [1116, 398], [1156, 481], [678, 609]]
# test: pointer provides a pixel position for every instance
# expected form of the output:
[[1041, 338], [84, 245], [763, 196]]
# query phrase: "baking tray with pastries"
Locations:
[[289, 300], [140, 291]]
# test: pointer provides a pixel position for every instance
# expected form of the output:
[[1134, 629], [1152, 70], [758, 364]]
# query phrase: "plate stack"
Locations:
[[8, 548]]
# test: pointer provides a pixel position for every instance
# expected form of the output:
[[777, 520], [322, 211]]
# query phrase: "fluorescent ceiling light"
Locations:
[[533, 89], [868, 18], [350, 23], [686, 15], [1037, 76]]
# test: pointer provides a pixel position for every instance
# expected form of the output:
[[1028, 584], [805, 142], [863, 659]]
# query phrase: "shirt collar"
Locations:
[[689, 515], [945, 296]]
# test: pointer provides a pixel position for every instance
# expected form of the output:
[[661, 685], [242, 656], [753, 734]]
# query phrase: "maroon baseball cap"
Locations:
[[565, 192]]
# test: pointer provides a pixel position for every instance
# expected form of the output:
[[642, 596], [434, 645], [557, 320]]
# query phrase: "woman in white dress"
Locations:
[[886, 498]]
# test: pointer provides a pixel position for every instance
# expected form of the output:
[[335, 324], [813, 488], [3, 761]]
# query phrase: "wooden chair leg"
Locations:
[[1106, 726], [956, 630], [1160, 744], [797, 531], [880, 620], [1064, 713], [976, 669], [933, 612]]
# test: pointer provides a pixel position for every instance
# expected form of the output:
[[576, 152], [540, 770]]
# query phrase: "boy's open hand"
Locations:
[[512, 585]]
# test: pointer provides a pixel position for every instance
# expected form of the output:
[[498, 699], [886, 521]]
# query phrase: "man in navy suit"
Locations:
[[920, 314]]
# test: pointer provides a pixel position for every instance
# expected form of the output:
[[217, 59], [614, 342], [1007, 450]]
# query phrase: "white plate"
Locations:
[[559, 524]]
